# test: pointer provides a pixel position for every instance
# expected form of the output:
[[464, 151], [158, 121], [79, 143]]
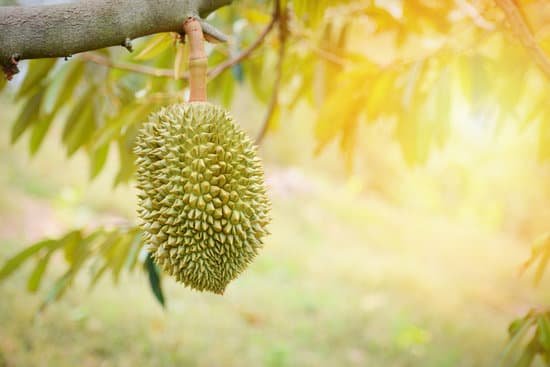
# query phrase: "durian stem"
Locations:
[[198, 62]]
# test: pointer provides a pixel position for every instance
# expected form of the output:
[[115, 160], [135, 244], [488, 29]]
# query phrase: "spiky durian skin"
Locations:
[[202, 199]]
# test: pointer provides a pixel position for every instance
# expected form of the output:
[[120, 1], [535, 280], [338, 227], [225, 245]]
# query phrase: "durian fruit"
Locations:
[[202, 199]]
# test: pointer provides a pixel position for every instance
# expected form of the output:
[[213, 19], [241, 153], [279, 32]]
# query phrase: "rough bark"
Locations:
[[30, 32]]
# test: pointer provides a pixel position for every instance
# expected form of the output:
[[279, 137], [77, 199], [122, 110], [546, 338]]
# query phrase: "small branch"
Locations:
[[136, 68], [220, 68], [521, 27], [282, 22]]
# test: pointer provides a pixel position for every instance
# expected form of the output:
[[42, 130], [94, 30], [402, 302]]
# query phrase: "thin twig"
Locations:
[[520, 26], [279, 71], [136, 68], [221, 67]]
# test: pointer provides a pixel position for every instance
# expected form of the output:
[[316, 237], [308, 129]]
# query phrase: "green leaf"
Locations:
[[98, 158], [98, 274], [38, 133], [118, 253], [544, 332], [37, 70], [13, 263], [71, 243], [58, 289], [35, 279], [223, 86], [77, 250], [126, 155], [82, 131], [28, 115], [133, 254], [68, 88], [118, 249], [260, 75], [154, 279], [155, 46], [528, 355], [83, 104], [518, 331], [128, 115]]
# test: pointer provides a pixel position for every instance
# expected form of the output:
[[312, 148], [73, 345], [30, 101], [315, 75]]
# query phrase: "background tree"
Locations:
[[416, 66]]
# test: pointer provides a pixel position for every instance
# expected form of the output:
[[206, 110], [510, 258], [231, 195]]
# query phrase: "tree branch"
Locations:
[[520, 26], [127, 66], [30, 32], [169, 73], [220, 68]]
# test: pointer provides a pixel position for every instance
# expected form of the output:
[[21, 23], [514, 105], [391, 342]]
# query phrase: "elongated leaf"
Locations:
[[35, 279], [82, 130], [98, 274], [114, 126], [378, 95], [180, 60], [69, 86], [125, 149], [78, 254], [135, 249], [83, 106], [543, 323], [58, 289], [71, 243], [528, 354], [28, 115], [155, 46], [515, 341], [118, 253], [98, 158], [13, 264], [39, 131], [223, 86], [154, 279], [37, 70]]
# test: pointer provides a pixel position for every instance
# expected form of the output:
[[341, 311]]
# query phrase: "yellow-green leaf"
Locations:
[[37, 70], [543, 323], [27, 116], [38, 133], [98, 158], [13, 263], [155, 46], [35, 279]]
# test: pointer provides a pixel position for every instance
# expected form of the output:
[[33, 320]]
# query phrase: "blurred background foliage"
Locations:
[[429, 118]]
